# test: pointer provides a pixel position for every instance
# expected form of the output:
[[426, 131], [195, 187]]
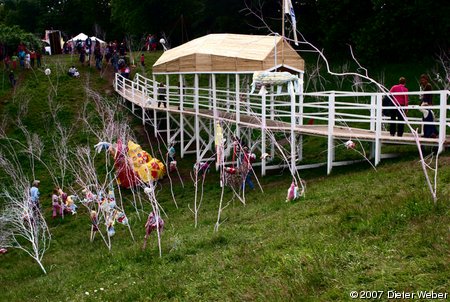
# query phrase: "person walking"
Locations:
[[162, 95], [32, 58], [34, 196], [428, 130], [425, 86], [398, 114]]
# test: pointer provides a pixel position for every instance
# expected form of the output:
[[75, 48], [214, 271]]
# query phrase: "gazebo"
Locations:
[[211, 62]]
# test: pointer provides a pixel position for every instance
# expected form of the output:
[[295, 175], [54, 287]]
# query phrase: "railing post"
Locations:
[[272, 117], [378, 125], [293, 124], [331, 122], [144, 101], [132, 94], [155, 114], [373, 105], [442, 120], [300, 116]]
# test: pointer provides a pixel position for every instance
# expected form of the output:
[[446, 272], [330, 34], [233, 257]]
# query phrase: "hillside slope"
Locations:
[[355, 230]]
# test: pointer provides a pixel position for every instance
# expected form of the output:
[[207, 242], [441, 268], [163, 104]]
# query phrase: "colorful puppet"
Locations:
[[133, 165]]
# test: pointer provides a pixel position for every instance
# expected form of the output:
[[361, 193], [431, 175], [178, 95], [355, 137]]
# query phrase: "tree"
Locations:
[[12, 36]]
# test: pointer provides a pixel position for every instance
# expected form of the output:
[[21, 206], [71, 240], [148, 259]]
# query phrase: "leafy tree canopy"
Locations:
[[376, 29], [12, 36]]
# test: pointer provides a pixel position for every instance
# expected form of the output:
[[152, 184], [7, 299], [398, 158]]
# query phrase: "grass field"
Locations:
[[356, 230]]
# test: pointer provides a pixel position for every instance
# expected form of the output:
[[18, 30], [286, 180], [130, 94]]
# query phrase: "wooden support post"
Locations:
[[263, 133], [197, 129], [228, 93], [168, 115], [181, 79], [238, 105], [210, 91], [215, 115], [143, 115]]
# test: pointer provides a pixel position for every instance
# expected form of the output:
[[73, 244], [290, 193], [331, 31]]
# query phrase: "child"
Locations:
[[162, 95], [429, 131], [142, 60], [247, 158], [12, 79], [14, 59]]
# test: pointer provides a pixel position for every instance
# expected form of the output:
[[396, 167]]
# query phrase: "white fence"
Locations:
[[356, 110]]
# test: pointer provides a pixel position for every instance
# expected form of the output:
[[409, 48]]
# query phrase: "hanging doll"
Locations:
[[94, 222], [154, 222], [89, 197], [122, 218], [171, 161], [350, 144], [70, 204], [110, 227], [201, 167], [56, 206], [293, 192]]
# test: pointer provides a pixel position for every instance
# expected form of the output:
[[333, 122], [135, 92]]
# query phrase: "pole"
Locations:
[[282, 31], [282, 18]]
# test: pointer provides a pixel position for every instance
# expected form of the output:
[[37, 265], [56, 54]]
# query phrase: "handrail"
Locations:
[[362, 108]]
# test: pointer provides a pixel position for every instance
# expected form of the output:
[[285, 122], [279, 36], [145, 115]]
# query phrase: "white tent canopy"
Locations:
[[93, 38], [83, 37], [80, 36]]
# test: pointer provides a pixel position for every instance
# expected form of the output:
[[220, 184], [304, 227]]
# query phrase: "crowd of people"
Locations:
[[92, 51], [399, 113], [23, 58]]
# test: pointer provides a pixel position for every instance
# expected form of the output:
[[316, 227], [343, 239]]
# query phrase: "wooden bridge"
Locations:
[[335, 115]]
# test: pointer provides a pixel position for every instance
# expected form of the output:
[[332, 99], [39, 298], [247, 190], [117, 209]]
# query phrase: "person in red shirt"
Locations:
[[397, 114]]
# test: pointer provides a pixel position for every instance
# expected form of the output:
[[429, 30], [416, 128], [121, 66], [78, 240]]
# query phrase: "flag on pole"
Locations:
[[289, 9]]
